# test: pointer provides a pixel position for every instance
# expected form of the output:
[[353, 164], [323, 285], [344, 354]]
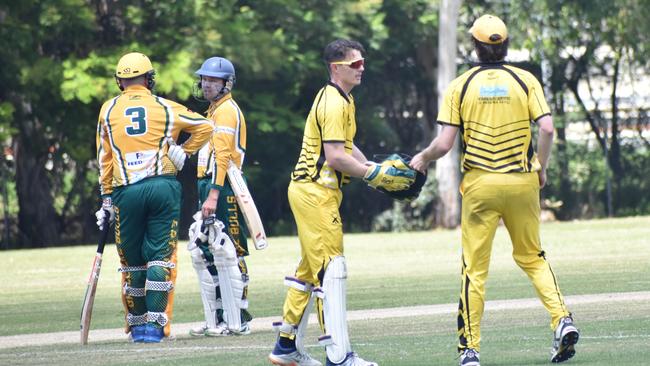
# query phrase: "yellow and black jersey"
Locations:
[[227, 143], [132, 130], [494, 105], [331, 119]]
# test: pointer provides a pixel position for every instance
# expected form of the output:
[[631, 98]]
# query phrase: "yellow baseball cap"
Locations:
[[489, 29]]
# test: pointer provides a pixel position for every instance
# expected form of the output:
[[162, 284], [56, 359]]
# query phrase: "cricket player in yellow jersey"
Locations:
[[228, 143], [327, 160], [138, 162], [494, 105]]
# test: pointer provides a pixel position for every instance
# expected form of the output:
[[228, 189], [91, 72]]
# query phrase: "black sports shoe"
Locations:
[[565, 337]]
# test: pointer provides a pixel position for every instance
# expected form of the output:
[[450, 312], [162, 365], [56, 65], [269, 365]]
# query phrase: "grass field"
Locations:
[[41, 292]]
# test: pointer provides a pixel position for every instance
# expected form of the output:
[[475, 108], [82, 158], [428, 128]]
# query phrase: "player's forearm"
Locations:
[[545, 140], [201, 134], [213, 195], [441, 144], [357, 154], [544, 145], [435, 150], [347, 164]]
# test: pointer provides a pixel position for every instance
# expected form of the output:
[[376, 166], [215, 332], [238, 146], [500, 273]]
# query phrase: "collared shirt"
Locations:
[[494, 106], [228, 141], [132, 130], [331, 119]]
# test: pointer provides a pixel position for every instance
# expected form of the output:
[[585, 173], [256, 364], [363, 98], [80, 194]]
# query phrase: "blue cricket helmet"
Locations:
[[217, 67]]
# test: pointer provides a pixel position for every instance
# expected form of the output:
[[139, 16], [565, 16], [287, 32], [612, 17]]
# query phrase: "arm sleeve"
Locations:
[[449, 111], [193, 123], [104, 158], [537, 105], [332, 118], [224, 142]]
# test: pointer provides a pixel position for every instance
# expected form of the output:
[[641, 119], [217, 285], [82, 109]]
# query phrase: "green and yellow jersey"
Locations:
[[228, 141], [131, 136], [494, 105], [331, 119]]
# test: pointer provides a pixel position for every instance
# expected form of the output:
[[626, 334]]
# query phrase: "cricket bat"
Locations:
[[247, 207], [89, 298]]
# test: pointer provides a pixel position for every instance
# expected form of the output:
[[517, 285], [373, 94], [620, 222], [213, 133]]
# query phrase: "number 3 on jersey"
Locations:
[[138, 119]]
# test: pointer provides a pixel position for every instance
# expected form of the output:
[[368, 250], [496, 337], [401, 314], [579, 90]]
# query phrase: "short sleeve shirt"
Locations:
[[331, 119], [494, 106]]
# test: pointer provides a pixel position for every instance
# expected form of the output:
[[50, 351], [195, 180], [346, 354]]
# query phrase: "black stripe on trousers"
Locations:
[[462, 338], [557, 288]]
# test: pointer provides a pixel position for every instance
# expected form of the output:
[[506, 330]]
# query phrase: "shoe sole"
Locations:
[[567, 349], [280, 362], [228, 333]]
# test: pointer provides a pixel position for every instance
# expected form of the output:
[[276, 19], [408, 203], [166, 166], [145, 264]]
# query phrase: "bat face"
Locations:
[[89, 298], [247, 207]]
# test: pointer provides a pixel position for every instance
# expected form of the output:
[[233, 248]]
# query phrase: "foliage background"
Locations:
[[58, 58]]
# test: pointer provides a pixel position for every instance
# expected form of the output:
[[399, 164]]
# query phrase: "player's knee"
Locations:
[[158, 273]]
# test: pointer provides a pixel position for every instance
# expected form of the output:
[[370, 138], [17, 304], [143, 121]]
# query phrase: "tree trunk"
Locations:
[[447, 212], [615, 150], [568, 198], [38, 222]]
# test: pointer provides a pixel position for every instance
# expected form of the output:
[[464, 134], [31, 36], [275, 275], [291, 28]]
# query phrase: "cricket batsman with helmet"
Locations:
[[139, 190], [228, 143]]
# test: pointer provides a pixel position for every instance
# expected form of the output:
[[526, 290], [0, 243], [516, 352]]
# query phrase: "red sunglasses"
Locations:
[[354, 64]]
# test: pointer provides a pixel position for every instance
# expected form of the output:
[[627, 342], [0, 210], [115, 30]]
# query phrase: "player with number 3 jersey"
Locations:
[[140, 192]]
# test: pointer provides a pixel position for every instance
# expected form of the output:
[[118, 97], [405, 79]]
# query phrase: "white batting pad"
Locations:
[[231, 281], [207, 286], [333, 294]]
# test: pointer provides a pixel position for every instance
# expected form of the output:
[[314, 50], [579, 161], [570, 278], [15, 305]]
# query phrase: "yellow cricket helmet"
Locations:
[[133, 65]]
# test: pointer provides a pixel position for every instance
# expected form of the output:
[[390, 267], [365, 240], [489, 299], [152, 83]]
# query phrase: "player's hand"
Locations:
[[391, 175], [542, 178], [176, 154], [209, 207], [106, 212], [419, 162]]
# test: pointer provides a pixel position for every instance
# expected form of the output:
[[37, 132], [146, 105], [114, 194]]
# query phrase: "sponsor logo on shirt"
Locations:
[[137, 160], [494, 94], [494, 91]]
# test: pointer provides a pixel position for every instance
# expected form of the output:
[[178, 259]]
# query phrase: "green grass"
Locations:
[[42, 290]]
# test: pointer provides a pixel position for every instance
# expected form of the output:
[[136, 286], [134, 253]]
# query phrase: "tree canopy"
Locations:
[[59, 56]]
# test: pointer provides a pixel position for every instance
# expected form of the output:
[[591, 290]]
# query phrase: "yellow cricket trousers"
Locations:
[[316, 211], [487, 198]]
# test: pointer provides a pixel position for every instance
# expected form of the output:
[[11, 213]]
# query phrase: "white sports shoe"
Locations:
[[352, 359], [294, 358], [199, 331], [220, 331], [565, 337]]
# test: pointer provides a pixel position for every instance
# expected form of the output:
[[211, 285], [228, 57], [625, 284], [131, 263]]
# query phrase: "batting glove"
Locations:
[[176, 154], [106, 212], [391, 175]]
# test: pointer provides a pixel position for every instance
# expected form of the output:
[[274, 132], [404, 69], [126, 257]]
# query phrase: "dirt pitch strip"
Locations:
[[264, 324]]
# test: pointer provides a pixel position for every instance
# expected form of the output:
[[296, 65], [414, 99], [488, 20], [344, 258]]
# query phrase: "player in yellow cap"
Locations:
[[494, 106], [138, 161]]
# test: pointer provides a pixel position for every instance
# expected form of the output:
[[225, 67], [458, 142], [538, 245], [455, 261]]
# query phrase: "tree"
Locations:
[[590, 45], [448, 167]]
